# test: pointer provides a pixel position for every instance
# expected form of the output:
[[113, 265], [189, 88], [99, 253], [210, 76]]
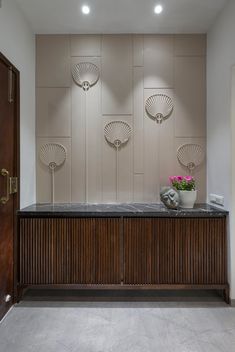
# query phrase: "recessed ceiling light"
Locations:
[[85, 9], [158, 9]]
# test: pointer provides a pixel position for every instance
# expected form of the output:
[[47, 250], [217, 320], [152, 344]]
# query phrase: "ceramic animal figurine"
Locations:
[[170, 198]]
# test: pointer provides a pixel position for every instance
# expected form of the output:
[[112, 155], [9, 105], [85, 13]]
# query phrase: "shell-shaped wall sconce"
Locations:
[[117, 133], [85, 74], [190, 156], [159, 107], [53, 155]]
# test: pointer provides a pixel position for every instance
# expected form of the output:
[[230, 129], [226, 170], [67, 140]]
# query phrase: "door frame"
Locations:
[[16, 201], [232, 200]]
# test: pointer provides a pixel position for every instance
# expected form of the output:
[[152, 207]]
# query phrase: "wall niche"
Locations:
[[127, 71]]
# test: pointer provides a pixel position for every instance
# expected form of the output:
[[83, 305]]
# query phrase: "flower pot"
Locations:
[[187, 199]]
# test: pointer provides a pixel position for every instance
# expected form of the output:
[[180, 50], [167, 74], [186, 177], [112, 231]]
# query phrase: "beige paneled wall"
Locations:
[[132, 68]]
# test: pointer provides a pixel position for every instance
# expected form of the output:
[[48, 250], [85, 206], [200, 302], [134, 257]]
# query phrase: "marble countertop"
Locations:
[[118, 210]]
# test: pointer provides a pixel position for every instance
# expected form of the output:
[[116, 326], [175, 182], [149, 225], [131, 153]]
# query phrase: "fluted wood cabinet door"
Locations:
[[95, 251], [175, 251], [148, 251], [200, 253], [137, 251], [69, 251]]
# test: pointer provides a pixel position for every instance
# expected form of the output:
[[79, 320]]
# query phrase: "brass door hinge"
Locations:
[[13, 185]]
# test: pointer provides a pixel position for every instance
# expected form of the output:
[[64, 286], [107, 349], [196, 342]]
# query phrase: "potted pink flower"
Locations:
[[185, 185]]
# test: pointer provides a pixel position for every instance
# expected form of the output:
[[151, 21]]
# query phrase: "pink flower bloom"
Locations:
[[188, 178], [183, 183]]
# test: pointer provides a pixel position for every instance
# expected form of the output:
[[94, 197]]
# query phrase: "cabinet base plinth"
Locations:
[[121, 287]]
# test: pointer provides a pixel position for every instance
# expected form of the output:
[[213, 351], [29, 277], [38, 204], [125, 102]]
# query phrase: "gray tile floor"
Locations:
[[119, 327]]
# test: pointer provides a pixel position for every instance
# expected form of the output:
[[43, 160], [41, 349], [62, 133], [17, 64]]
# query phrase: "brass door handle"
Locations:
[[12, 186], [5, 199]]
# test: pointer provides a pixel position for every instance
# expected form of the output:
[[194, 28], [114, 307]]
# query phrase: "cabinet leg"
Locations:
[[226, 295], [20, 293]]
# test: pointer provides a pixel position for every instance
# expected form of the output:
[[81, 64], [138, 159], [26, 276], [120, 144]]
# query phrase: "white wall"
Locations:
[[220, 59], [17, 43]]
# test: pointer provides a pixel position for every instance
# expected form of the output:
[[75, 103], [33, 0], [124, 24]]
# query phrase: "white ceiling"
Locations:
[[121, 16]]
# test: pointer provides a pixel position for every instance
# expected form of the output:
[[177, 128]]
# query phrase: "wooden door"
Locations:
[[9, 90]]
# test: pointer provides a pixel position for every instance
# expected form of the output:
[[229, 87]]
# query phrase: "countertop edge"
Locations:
[[118, 210]]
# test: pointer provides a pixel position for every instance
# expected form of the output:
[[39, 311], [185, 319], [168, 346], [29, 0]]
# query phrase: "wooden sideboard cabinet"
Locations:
[[122, 253]]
